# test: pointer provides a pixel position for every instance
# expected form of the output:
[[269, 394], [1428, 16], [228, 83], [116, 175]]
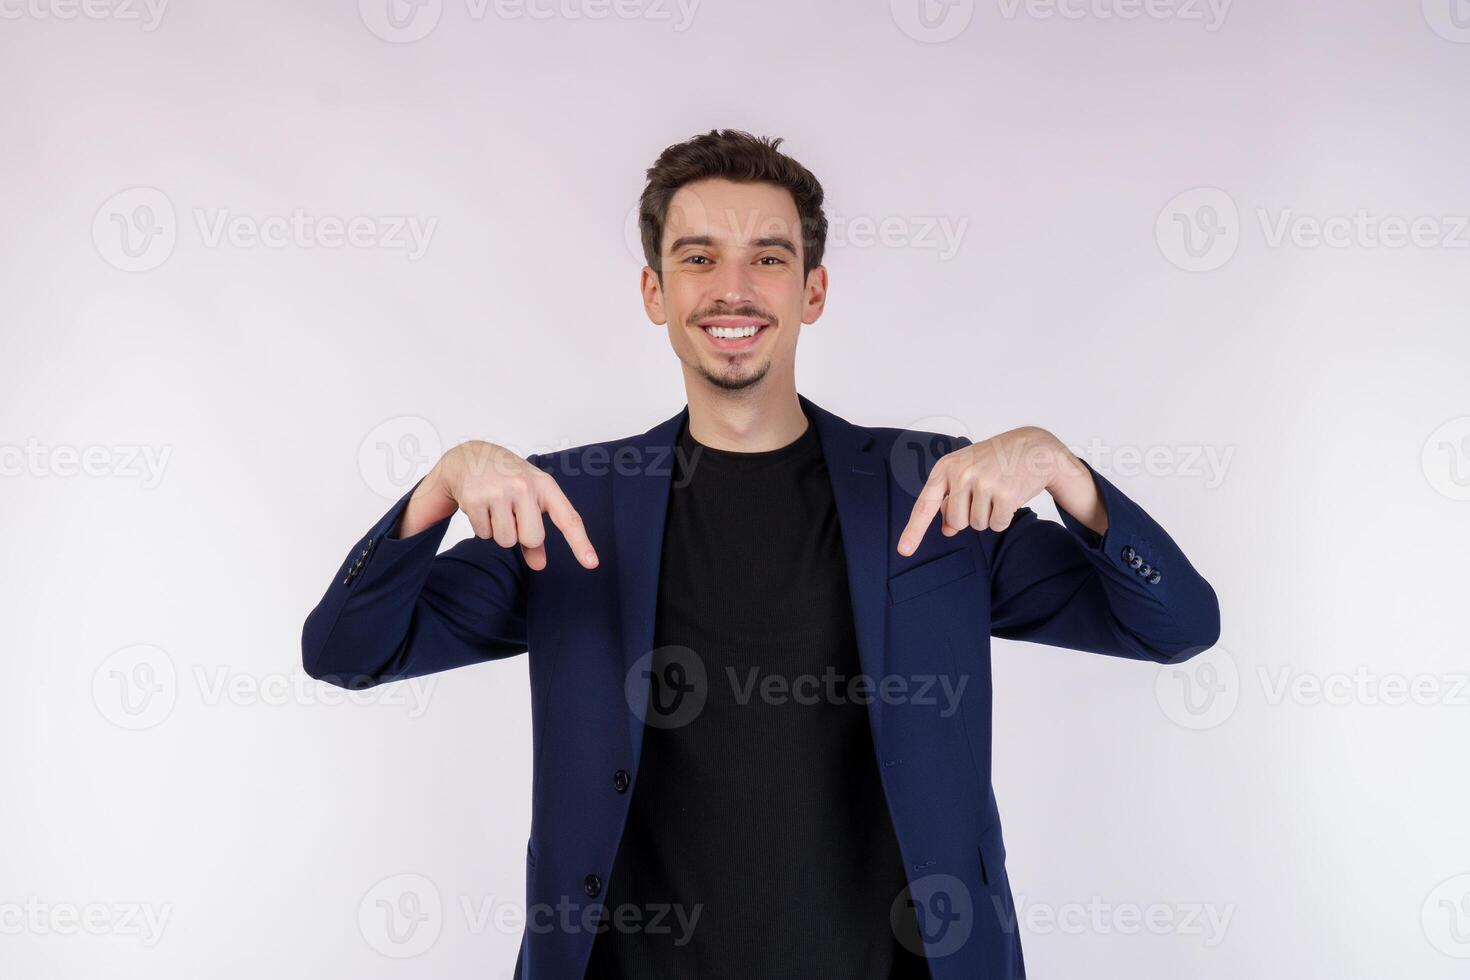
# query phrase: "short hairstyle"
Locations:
[[738, 156]]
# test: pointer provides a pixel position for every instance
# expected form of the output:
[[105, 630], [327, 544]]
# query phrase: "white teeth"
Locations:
[[732, 333]]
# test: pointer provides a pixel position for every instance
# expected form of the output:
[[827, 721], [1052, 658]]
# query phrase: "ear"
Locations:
[[816, 295], [653, 296]]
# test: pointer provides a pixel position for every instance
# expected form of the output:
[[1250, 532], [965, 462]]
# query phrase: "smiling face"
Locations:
[[733, 294]]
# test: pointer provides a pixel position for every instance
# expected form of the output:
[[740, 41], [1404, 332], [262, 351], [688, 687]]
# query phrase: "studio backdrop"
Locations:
[[261, 264]]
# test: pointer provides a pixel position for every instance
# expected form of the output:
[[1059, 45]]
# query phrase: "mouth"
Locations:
[[733, 333]]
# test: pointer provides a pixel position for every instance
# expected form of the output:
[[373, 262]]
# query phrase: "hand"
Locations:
[[983, 485], [503, 496]]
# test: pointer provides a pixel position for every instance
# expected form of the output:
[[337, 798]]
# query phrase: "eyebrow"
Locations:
[[776, 241]]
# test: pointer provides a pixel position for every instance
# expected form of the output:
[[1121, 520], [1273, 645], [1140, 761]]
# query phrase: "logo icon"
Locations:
[[633, 235], [136, 687], [401, 21], [667, 687], [1199, 230], [1450, 19], [397, 454], [1446, 917], [135, 230], [922, 444], [1446, 459], [943, 912], [1200, 693], [401, 916], [932, 21]]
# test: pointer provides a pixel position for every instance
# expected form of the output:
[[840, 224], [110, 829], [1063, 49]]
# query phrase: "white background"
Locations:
[[1303, 408]]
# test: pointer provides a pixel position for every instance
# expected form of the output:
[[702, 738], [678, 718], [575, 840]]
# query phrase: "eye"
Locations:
[[697, 258], [772, 258]]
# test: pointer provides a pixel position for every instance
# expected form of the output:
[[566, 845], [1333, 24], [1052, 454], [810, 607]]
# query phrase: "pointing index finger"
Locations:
[[566, 518], [930, 499]]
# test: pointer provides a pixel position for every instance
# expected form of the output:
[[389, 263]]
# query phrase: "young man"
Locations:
[[760, 668]]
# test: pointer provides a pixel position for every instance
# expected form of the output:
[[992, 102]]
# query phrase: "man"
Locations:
[[760, 668]]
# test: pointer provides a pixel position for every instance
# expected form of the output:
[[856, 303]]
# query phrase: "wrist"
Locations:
[[1066, 471], [429, 504]]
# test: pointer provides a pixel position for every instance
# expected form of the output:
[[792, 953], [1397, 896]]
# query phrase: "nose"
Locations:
[[733, 285]]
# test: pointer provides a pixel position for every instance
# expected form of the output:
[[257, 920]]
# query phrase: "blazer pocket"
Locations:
[[931, 575]]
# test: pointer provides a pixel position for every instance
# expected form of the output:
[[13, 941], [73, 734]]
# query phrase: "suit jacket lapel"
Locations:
[[860, 488], [640, 500]]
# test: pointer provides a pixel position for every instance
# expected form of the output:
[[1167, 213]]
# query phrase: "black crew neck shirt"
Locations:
[[758, 823]]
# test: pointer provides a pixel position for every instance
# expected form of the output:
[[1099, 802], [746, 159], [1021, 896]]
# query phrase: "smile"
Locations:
[[733, 333]]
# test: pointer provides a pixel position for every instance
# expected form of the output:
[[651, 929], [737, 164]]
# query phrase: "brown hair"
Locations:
[[738, 156]]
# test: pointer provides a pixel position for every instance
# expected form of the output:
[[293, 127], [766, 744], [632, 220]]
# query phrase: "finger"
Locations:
[[503, 522], [980, 510], [925, 507], [479, 516], [569, 522], [1001, 514], [957, 509], [530, 531]]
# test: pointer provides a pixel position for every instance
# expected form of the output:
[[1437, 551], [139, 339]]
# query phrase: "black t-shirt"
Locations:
[[758, 827]]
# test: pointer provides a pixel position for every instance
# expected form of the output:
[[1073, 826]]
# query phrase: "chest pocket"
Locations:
[[931, 575]]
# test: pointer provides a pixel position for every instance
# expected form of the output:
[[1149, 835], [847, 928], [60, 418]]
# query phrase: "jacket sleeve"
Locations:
[[397, 609], [1127, 593]]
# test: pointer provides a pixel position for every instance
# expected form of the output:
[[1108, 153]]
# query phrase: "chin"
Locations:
[[736, 381]]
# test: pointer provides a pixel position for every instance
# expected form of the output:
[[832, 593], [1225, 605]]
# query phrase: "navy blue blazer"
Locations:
[[397, 609]]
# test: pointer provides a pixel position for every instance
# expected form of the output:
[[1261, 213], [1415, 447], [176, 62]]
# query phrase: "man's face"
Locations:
[[733, 294]]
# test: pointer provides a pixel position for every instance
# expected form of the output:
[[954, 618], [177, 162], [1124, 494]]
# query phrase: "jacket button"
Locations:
[[1127, 555], [621, 780], [592, 885], [1146, 570], [1155, 578]]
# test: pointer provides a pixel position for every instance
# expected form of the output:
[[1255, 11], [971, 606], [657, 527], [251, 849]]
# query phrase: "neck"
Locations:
[[748, 421]]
